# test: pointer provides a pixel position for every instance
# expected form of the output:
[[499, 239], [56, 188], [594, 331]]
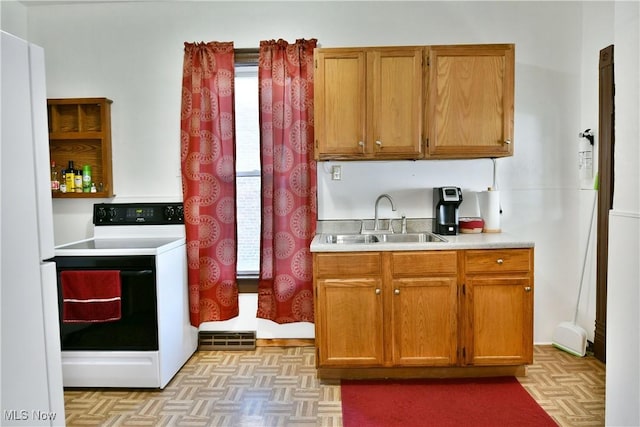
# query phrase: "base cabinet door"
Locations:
[[351, 322], [424, 321], [501, 316]]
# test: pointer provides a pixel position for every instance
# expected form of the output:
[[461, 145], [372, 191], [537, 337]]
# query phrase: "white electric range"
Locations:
[[152, 338]]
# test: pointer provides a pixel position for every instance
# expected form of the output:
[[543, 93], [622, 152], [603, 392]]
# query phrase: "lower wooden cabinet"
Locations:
[[412, 309], [349, 317], [353, 326], [499, 307], [422, 296]]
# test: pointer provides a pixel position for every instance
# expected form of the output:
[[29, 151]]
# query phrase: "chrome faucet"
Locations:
[[375, 219]]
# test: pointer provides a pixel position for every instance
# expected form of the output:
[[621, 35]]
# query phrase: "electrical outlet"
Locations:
[[336, 172]]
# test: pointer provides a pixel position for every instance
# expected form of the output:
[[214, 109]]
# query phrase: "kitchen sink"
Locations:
[[382, 238], [409, 238], [350, 238]]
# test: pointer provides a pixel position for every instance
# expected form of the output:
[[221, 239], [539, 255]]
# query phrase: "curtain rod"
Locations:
[[246, 57]]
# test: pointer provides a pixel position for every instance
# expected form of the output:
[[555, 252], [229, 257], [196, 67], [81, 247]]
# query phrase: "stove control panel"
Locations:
[[138, 213]]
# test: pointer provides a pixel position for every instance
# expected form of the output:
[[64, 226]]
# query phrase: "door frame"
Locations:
[[606, 128]]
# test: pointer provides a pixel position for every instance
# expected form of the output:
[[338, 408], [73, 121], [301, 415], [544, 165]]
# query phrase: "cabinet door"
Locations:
[[340, 103], [395, 106], [424, 321], [470, 101], [500, 317], [349, 328]]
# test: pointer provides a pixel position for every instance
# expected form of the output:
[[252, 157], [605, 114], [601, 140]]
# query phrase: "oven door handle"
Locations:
[[136, 273]]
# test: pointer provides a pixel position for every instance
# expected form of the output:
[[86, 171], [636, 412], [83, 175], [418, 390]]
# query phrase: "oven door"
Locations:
[[137, 328]]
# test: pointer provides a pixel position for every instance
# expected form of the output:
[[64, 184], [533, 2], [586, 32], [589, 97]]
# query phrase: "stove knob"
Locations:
[[169, 213], [112, 214], [180, 213], [101, 215]]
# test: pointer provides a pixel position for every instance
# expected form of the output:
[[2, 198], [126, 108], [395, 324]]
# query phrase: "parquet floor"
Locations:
[[275, 386]]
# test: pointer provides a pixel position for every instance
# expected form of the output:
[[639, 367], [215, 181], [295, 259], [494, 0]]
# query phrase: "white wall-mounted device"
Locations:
[[585, 159]]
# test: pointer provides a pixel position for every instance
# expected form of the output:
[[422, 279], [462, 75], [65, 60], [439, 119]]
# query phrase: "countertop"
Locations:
[[502, 240]]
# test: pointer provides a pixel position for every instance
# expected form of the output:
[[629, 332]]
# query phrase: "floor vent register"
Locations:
[[219, 340]]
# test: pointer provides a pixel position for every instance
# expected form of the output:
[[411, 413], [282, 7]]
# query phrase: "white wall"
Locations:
[[132, 53], [13, 18], [623, 282]]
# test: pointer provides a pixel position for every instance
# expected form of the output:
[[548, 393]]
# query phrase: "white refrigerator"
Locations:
[[31, 371]]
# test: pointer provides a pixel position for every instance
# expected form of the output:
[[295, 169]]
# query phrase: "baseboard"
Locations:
[[285, 342], [422, 372]]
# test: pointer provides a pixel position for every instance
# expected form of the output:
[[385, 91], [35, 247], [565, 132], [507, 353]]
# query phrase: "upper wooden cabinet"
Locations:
[[80, 130], [470, 101], [414, 102], [368, 103]]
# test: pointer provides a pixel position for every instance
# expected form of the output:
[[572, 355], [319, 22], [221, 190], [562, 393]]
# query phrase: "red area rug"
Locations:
[[490, 402]]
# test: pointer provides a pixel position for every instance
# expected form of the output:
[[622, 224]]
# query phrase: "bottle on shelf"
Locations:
[[55, 182], [70, 180], [86, 179], [63, 181], [77, 181]]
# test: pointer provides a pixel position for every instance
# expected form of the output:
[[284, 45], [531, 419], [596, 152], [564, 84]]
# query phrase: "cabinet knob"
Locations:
[[378, 291], [396, 291], [379, 143], [527, 288], [361, 145], [500, 261], [507, 141]]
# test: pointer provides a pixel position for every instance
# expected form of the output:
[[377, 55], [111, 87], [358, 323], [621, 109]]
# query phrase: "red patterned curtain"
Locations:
[[208, 180], [285, 291]]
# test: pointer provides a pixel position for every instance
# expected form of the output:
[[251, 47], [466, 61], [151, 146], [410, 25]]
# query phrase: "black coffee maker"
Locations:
[[446, 201]]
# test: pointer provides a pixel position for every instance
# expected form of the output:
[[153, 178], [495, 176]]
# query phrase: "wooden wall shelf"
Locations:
[[80, 130]]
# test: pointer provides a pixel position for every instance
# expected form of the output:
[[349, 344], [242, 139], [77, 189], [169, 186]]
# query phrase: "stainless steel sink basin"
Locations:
[[382, 238], [350, 238], [409, 238]]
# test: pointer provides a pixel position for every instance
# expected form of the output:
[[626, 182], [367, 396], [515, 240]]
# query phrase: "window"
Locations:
[[248, 192]]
